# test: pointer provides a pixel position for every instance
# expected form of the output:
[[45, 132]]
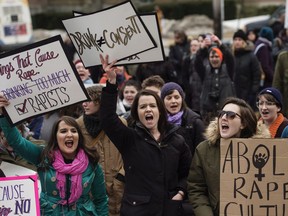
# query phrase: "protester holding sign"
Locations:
[[72, 181], [156, 159], [235, 120], [110, 158], [269, 103]]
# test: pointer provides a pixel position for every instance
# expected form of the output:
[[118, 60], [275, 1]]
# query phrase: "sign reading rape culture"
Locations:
[[116, 31], [38, 79], [19, 196], [254, 177]]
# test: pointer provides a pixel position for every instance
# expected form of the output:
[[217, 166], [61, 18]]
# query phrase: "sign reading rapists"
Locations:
[[38, 79], [254, 177], [116, 31]]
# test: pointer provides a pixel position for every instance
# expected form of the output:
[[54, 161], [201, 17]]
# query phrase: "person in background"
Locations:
[[190, 78], [156, 158], [83, 72], [216, 76], [72, 181], [110, 158], [126, 96], [252, 35], [235, 120], [247, 70], [153, 83], [263, 51], [269, 103], [191, 124], [280, 79], [177, 51]]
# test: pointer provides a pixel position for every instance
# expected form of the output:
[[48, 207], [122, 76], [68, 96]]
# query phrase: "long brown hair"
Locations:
[[48, 153]]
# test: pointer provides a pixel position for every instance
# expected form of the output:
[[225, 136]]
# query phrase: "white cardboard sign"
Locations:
[[116, 31], [39, 78]]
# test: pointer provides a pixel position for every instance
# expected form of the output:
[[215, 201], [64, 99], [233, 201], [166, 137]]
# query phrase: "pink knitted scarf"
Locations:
[[75, 169]]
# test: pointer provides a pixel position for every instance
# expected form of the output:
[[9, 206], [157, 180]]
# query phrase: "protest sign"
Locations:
[[152, 55], [116, 31], [39, 78], [19, 196], [254, 177]]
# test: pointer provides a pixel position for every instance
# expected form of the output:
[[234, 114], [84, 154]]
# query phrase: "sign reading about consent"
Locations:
[[39, 78], [116, 31]]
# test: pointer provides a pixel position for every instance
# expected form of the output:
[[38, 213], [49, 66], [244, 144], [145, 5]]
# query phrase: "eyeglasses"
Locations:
[[267, 103], [229, 114]]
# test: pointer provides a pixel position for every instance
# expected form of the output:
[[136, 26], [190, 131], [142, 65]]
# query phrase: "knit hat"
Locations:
[[266, 32], [169, 87], [240, 34], [218, 51], [274, 92]]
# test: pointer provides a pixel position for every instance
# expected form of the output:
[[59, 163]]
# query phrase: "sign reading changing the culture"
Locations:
[[19, 196], [116, 31], [38, 79], [254, 177]]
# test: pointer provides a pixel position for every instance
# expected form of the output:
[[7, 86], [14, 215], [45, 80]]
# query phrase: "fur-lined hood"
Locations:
[[212, 133]]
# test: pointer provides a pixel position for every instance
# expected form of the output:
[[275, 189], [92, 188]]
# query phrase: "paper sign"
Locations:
[[116, 31], [153, 55], [254, 177], [39, 78], [19, 196]]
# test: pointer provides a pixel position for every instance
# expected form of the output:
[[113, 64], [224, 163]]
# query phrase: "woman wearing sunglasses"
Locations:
[[235, 120], [269, 103]]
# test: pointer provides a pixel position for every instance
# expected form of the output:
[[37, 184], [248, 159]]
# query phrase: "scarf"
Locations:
[[176, 118], [92, 124], [75, 169], [275, 125]]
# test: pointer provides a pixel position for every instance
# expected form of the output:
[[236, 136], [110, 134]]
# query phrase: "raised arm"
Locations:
[[21, 146]]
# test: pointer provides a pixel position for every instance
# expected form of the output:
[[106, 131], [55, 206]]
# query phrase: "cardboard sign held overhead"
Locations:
[[254, 177], [116, 31], [38, 79], [152, 55]]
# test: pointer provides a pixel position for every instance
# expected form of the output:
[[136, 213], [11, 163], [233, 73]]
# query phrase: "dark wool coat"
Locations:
[[154, 172]]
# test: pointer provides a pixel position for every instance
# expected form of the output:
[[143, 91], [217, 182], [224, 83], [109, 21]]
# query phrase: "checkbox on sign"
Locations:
[[21, 108]]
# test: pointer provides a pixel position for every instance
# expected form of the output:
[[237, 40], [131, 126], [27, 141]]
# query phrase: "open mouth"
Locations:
[[69, 143], [149, 117], [224, 127]]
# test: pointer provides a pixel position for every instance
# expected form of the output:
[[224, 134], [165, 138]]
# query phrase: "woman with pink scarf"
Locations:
[[72, 181]]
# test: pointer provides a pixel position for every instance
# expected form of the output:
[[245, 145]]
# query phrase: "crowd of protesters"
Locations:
[[140, 145]]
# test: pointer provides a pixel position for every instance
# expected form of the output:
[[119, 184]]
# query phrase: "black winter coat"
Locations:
[[247, 76], [154, 172], [192, 129]]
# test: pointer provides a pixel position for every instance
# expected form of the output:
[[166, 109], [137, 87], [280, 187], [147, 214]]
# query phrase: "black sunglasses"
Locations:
[[229, 114]]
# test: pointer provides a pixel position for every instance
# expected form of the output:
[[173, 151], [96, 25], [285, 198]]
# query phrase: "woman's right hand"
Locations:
[[109, 69], [3, 102]]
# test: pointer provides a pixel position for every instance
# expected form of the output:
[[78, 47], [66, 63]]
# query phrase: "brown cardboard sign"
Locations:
[[254, 177]]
